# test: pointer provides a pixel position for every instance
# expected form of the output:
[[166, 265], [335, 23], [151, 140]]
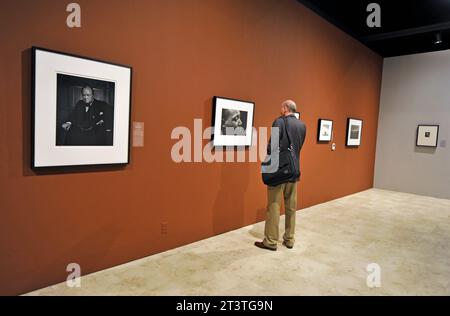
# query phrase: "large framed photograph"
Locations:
[[232, 122], [325, 130], [427, 135], [81, 110], [354, 132]]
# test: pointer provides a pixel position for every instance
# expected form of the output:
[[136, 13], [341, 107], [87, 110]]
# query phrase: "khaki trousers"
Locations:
[[274, 194]]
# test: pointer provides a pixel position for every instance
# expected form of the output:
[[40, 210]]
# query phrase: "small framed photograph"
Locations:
[[354, 132], [81, 110], [427, 135], [325, 131], [232, 122]]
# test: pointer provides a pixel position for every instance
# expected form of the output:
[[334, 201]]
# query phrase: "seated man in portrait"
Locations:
[[90, 123]]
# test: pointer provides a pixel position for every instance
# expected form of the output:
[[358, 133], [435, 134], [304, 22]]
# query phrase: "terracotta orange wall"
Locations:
[[183, 53]]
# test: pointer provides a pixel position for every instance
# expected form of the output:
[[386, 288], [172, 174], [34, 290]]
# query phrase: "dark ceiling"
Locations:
[[407, 26]]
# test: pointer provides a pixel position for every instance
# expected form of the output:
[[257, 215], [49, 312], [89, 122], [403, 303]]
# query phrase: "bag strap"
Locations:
[[286, 132]]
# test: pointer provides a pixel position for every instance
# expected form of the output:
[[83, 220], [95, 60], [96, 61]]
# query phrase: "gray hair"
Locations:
[[292, 107], [87, 87]]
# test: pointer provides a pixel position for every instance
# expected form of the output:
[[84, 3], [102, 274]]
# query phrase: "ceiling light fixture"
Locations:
[[438, 39]]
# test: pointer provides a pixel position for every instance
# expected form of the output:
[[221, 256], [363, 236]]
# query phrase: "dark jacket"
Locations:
[[94, 127], [297, 132]]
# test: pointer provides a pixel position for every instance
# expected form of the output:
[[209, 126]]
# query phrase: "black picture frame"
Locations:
[[418, 139], [350, 141], [249, 123], [121, 146], [319, 139]]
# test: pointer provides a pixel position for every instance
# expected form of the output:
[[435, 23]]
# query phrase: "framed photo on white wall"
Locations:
[[80, 111], [427, 135]]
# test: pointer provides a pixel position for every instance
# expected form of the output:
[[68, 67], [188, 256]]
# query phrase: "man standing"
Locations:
[[297, 132], [90, 123]]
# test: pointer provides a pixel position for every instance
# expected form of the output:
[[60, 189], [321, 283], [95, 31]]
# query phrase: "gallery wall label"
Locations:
[[138, 134]]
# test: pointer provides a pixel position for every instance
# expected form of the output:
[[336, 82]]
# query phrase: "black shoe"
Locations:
[[261, 245], [286, 245]]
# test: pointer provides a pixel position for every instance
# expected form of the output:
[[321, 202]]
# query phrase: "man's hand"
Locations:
[[239, 131], [66, 126]]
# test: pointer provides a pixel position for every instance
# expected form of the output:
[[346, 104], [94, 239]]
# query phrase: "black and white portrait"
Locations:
[[427, 135], [81, 111], [85, 111], [354, 132], [325, 130], [232, 122]]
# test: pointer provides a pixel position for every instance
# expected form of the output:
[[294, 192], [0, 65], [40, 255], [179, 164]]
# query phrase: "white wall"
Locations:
[[415, 90]]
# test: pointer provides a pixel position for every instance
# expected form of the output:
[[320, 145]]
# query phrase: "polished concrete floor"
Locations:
[[408, 236]]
